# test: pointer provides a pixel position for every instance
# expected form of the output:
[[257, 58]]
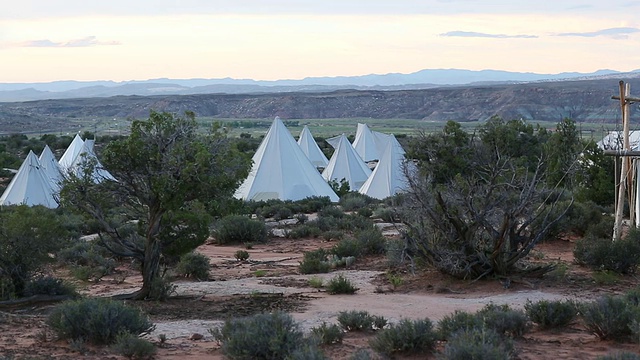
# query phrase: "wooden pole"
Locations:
[[617, 225], [631, 190]]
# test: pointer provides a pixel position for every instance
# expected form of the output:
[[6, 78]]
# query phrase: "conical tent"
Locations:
[[70, 154], [51, 168], [310, 147], [85, 157], [365, 143], [29, 186], [388, 178], [282, 171], [346, 164]]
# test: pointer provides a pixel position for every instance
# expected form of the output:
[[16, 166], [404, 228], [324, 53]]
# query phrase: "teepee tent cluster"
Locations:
[[346, 164], [310, 147], [389, 177], [38, 180]]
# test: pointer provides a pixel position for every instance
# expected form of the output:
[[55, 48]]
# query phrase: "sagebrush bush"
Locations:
[[621, 256], [331, 211], [328, 334], [133, 347], [47, 285], [354, 320], [405, 337], [551, 314], [308, 350], [353, 201], [283, 213], [314, 262], [478, 343], [340, 285], [263, 336], [332, 235], [88, 260], [365, 212], [371, 241], [347, 247], [307, 230], [237, 229], [241, 255], [504, 320], [385, 213], [194, 265], [456, 322], [609, 317], [97, 320]]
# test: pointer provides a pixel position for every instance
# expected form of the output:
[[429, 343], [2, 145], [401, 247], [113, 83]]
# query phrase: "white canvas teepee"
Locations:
[[388, 178], [29, 186], [51, 168], [346, 164], [365, 143], [70, 154], [85, 157], [311, 148], [282, 171]]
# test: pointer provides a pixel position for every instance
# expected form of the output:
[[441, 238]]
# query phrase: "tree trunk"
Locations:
[[150, 271]]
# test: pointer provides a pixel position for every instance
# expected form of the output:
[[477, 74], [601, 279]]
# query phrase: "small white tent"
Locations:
[[365, 143], [70, 154], [310, 147], [346, 164], [29, 186], [85, 157], [613, 140], [388, 178], [282, 171], [51, 168]]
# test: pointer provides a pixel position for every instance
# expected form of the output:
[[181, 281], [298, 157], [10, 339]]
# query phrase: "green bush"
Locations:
[[387, 214], [621, 256], [456, 322], [307, 230], [365, 212], [131, 346], [353, 201], [477, 343], [241, 255], [328, 334], [406, 337], [236, 229], [308, 350], [263, 336], [372, 241], [331, 211], [504, 320], [332, 235], [97, 320], [47, 285], [609, 317], [195, 265], [620, 355], [282, 213], [347, 247], [356, 320], [314, 262], [340, 285], [551, 314]]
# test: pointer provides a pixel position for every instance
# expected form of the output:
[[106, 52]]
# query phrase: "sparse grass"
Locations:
[[340, 285], [316, 282]]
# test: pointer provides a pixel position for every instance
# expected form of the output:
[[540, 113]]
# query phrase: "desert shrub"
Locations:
[[385, 213], [456, 322], [326, 223], [371, 241], [331, 211], [282, 213], [237, 229], [304, 231], [633, 296], [601, 229], [195, 265], [241, 255], [355, 320], [314, 262], [395, 251], [609, 317], [314, 203], [328, 334], [97, 320], [316, 282], [621, 256], [131, 346], [7, 288], [365, 212], [162, 288], [361, 354], [503, 319], [47, 285], [477, 343], [347, 247], [355, 223], [619, 355], [332, 235], [353, 201], [308, 350], [340, 285], [605, 277], [261, 336], [301, 218], [406, 337], [551, 314]]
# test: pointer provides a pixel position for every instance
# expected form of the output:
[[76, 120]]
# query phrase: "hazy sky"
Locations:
[[45, 40]]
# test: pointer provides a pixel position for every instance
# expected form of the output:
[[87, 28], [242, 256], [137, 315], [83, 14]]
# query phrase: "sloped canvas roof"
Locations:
[[613, 140], [51, 168], [346, 164], [310, 147], [29, 186], [365, 143], [85, 155], [70, 154], [282, 171], [388, 178]]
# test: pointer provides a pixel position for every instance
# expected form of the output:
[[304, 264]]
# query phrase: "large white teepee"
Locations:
[[346, 164], [365, 143], [85, 157], [311, 149], [388, 178], [70, 154], [29, 186], [282, 171], [51, 168]]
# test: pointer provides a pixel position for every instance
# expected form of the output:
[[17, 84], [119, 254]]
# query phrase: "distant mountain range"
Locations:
[[423, 79]]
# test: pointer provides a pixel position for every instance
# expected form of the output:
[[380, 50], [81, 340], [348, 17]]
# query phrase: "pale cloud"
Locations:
[[485, 35], [83, 42], [620, 33]]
